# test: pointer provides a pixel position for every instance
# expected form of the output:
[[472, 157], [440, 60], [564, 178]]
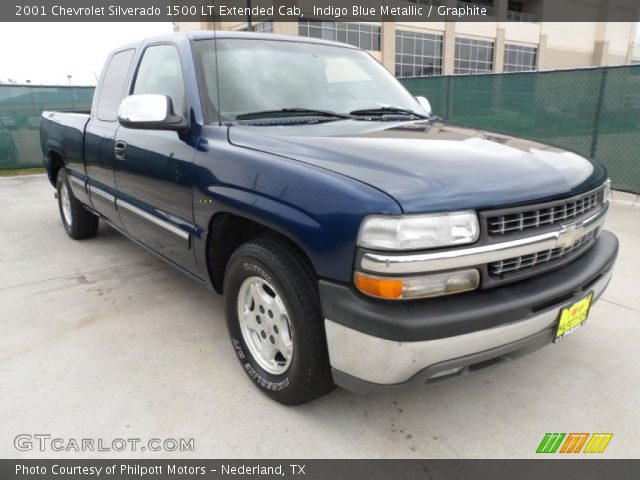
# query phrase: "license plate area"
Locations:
[[573, 316]]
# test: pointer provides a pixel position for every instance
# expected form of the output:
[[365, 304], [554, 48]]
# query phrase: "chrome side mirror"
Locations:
[[424, 103], [149, 112]]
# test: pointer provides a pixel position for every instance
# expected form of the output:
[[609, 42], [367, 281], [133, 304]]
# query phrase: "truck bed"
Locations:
[[62, 133]]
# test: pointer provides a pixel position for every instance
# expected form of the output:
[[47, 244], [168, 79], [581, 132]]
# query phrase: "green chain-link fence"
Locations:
[[595, 112], [20, 110]]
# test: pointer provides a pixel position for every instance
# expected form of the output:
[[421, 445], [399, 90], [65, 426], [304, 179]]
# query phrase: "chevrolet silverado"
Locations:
[[357, 239]]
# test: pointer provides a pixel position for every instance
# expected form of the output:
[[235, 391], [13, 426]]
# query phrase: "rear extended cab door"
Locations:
[[100, 134]]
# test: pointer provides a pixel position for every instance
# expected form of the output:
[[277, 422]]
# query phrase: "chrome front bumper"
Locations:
[[362, 362]]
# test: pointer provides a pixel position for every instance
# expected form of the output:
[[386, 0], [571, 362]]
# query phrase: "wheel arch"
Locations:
[[55, 163], [228, 230]]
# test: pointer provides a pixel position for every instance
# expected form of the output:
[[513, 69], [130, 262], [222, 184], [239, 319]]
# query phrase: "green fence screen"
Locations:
[[594, 112], [20, 110]]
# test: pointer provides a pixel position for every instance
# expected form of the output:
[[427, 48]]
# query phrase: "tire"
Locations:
[[78, 222], [266, 279]]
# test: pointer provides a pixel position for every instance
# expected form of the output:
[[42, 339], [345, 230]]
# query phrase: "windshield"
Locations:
[[267, 75]]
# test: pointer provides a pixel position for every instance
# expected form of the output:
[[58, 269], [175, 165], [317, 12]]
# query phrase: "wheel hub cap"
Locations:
[[265, 327], [65, 202]]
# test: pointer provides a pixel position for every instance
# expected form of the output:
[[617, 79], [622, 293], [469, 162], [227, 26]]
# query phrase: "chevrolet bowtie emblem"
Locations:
[[569, 235]]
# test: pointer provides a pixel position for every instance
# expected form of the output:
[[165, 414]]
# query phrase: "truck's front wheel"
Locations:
[[78, 221], [275, 322]]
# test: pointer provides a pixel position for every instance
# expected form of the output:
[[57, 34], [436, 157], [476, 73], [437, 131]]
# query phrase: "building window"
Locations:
[[359, 35], [263, 27], [428, 3], [260, 27], [515, 13], [473, 56], [514, 6], [635, 61], [488, 4], [418, 54], [518, 58]]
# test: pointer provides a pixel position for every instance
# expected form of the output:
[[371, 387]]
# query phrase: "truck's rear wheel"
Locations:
[[78, 221], [275, 322]]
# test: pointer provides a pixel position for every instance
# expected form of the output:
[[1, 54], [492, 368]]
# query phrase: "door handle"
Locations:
[[120, 150]]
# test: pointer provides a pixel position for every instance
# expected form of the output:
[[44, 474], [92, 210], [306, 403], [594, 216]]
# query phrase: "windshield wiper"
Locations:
[[380, 111], [290, 112]]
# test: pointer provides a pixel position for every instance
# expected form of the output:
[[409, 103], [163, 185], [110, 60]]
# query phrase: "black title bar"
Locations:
[[331, 10], [319, 469]]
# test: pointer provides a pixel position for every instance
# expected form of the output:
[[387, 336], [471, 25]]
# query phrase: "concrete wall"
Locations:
[[191, 26], [585, 44], [524, 33]]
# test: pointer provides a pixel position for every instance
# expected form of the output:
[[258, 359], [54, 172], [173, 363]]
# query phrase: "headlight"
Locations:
[[414, 232]]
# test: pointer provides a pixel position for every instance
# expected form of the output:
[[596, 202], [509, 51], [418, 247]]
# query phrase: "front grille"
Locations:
[[517, 264], [549, 214]]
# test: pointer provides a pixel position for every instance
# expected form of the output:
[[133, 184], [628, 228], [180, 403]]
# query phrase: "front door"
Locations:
[[152, 167]]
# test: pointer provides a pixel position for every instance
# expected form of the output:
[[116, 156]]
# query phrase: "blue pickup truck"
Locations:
[[357, 239]]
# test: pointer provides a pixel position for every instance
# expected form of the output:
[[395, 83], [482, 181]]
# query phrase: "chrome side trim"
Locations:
[[102, 195], [467, 257], [387, 362], [121, 204], [77, 181]]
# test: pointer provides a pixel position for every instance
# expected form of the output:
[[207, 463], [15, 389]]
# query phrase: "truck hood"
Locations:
[[430, 166]]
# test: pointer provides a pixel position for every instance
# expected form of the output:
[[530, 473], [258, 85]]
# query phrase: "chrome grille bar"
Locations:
[[530, 219], [538, 258]]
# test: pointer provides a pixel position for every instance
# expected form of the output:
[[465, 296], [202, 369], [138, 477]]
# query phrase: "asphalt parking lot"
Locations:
[[101, 340]]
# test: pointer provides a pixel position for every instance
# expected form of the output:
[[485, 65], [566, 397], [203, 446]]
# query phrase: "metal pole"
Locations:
[[596, 126], [447, 113]]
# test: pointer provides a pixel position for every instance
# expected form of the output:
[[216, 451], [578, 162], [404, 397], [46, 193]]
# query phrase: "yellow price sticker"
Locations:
[[573, 316]]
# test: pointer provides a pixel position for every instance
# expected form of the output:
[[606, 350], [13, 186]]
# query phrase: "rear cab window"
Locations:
[[113, 85]]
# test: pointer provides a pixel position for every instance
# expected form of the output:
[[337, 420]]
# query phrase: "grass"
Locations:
[[21, 171]]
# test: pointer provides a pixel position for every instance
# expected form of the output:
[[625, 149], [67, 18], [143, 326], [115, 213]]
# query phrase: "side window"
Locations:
[[113, 83], [160, 73]]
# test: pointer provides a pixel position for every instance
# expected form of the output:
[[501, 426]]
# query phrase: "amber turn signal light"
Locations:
[[421, 286], [379, 286]]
